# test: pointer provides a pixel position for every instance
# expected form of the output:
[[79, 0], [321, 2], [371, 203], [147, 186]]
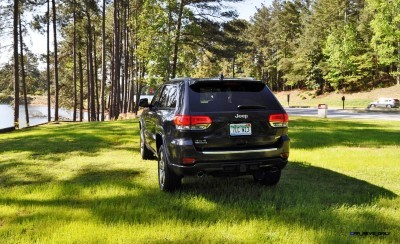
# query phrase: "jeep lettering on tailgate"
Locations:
[[241, 116]]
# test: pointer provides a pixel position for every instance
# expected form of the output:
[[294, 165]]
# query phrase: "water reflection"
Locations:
[[37, 115]]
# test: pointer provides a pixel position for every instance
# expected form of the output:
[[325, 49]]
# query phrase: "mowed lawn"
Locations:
[[86, 183]]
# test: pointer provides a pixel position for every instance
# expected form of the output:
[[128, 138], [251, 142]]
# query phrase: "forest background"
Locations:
[[104, 52]]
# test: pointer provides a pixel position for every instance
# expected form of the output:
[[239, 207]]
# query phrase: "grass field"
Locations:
[[334, 100], [86, 183]]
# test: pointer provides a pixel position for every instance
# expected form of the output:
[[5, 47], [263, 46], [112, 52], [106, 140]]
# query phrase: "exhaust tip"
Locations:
[[200, 174]]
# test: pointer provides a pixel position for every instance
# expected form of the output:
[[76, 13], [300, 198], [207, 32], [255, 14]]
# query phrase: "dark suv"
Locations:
[[217, 127]]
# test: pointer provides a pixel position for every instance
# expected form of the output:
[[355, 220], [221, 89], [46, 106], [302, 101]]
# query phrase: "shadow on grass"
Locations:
[[307, 196], [310, 134], [44, 146], [25, 176], [56, 140], [5, 165], [90, 177]]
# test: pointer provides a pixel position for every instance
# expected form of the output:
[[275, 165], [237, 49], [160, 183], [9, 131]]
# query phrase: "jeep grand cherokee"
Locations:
[[218, 127]]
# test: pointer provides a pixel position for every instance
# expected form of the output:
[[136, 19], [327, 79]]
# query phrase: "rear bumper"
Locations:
[[232, 162], [229, 168]]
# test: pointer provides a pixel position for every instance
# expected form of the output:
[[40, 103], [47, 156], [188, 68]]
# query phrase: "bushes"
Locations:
[[4, 98]]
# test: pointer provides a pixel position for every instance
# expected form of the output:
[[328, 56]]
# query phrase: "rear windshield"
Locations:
[[231, 96]]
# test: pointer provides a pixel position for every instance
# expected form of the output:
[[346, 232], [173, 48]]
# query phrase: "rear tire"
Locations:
[[167, 179], [144, 151], [267, 178]]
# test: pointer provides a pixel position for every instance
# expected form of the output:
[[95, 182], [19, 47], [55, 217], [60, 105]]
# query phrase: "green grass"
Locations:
[[86, 183], [333, 101], [358, 100]]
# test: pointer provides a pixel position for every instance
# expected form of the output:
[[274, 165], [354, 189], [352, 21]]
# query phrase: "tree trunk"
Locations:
[[131, 78], [128, 62], [139, 86], [277, 80], [48, 63], [233, 67], [96, 82], [81, 86], [116, 95], [89, 105], [111, 95], [74, 53], [91, 71], [125, 52], [177, 38], [23, 72], [169, 38], [135, 85], [103, 60], [16, 68], [55, 61]]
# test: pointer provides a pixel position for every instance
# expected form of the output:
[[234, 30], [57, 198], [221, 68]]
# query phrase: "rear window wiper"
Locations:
[[251, 107]]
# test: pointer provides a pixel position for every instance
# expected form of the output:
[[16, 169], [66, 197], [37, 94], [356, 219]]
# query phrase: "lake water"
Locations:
[[37, 115]]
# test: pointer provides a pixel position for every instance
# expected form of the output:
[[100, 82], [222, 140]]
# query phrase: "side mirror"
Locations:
[[144, 103]]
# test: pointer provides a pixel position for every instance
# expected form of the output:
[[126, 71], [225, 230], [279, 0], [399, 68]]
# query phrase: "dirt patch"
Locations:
[[129, 116], [38, 100]]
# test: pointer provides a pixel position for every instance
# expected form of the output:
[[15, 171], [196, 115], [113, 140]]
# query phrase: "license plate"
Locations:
[[240, 129]]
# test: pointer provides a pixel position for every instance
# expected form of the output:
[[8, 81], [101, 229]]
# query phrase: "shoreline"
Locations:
[[41, 100]]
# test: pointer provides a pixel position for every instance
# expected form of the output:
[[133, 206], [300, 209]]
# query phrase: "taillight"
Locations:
[[182, 120], [278, 120], [188, 160], [187, 122]]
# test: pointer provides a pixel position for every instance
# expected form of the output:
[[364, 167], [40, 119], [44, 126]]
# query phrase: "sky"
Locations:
[[37, 42], [248, 8]]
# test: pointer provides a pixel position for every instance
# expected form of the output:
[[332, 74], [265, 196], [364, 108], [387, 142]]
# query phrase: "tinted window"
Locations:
[[155, 102], [231, 96], [168, 97]]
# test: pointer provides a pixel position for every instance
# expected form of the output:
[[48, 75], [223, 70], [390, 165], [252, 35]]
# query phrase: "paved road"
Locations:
[[345, 114]]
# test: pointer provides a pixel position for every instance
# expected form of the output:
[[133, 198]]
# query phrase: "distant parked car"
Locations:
[[385, 102]]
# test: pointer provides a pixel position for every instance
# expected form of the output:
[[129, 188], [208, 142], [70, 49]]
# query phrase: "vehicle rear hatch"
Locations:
[[239, 111], [396, 102]]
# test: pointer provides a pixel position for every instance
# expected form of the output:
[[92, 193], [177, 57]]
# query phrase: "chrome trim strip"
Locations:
[[240, 152]]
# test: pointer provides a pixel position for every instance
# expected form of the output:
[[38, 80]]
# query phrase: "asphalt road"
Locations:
[[346, 114]]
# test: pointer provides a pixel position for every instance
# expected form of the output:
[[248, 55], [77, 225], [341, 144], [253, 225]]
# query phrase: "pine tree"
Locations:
[[16, 64]]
